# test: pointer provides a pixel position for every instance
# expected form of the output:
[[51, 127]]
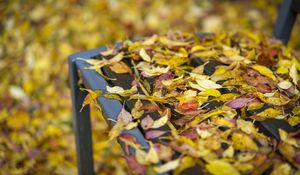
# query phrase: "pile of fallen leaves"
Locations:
[[36, 37], [198, 100]]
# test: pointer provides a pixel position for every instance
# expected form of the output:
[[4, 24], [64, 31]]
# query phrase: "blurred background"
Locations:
[[36, 37]]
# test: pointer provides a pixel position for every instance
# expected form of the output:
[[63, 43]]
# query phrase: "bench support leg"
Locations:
[[82, 125], [285, 21]]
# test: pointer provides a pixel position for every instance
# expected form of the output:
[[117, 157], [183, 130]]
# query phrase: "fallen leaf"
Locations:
[[294, 73], [240, 102], [123, 119], [147, 122], [285, 85], [152, 156], [91, 98], [264, 71], [221, 167], [160, 122], [283, 169], [135, 166], [154, 134], [171, 165], [243, 142], [120, 68], [144, 55]]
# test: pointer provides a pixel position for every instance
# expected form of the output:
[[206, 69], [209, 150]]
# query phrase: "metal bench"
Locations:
[[111, 108]]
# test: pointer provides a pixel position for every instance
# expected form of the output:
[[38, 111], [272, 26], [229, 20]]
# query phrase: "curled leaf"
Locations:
[[264, 71], [294, 73], [203, 85], [97, 64], [144, 55], [91, 98], [151, 70]]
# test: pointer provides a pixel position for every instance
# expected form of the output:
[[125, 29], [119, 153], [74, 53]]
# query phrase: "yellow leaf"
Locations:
[[203, 85], [131, 125], [144, 55], [120, 91], [140, 156], [124, 118], [203, 133], [107, 52], [296, 110], [113, 96], [53, 131], [206, 116], [285, 138], [91, 98], [151, 70], [185, 163], [171, 43], [120, 68], [150, 40], [283, 169], [221, 167], [243, 142], [246, 126], [97, 64], [227, 97], [152, 156], [198, 48], [294, 73], [255, 106], [114, 89], [294, 120], [136, 110], [282, 70], [228, 153], [285, 84], [270, 113], [160, 122], [210, 92], [251, 55], [220, 121], [18, 120], [264, 71], [220, 70], [171, 165]]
